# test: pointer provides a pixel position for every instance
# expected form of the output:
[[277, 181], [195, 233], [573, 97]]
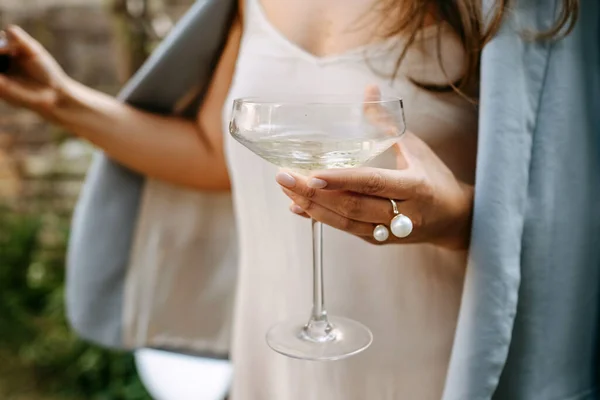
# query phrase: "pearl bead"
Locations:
[[401, 226], [381, 233]]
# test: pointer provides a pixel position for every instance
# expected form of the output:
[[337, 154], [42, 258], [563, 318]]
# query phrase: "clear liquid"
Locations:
[[316, 151]]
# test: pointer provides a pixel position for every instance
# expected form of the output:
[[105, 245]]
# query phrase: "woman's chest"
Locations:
[[323, 28]]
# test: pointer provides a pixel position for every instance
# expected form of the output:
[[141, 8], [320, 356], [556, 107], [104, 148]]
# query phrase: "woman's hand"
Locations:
[[134, 138], [34, 80], [356, 200]]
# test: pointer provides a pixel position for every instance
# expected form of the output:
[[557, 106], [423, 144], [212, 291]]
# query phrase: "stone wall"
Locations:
[[40, 164]]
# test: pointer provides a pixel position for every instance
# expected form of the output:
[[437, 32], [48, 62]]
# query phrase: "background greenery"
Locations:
[[100, 43], [37, 348]]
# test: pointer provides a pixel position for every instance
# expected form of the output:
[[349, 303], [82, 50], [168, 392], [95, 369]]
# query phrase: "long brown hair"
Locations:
[[466, 18]]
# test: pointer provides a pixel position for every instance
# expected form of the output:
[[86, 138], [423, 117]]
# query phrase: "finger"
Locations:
[[383, 119], [348, 204], [358, 228], [372, 93], [5, 46], [296, 209], [373, 110], [390, 184], [24, 44], [328, 217], [377, 114], [20, 93], [385, 216]]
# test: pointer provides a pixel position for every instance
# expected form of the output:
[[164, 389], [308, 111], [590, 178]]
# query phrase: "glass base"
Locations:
[[321, 341]]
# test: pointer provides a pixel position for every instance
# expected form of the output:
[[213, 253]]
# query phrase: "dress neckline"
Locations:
[[256, 9]]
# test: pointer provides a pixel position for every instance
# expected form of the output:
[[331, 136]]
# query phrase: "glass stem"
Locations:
[[318, 312], [318, 328]]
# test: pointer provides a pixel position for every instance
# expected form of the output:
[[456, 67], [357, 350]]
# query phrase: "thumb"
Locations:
[[23, 43], [376, 112], [372, 93], [380, 117]]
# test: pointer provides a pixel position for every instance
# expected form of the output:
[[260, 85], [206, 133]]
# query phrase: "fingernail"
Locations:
[[316, 183], [285, 179], [296, 209]]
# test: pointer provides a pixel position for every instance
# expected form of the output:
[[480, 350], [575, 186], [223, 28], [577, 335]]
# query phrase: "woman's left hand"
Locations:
[[356, 200]]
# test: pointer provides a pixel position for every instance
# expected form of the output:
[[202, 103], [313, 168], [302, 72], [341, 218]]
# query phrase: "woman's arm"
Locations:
[[188, 153], [166, 148]]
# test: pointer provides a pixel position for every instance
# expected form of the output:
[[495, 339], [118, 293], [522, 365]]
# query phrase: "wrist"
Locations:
[[67, 94], [69, 102]]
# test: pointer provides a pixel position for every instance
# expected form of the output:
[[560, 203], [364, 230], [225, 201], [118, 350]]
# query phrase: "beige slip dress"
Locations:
[[409, 295]]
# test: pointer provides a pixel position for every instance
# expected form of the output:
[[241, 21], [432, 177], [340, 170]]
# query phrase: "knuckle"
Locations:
[[306, 205], [346, 224], [46, 103], [423, 189], [351, 206], [35, 56], [309, 192], [418, 221], [375, 183], [302, 202]]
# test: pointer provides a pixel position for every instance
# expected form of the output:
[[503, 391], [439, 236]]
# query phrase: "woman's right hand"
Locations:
[[34, 79], [133, 137]]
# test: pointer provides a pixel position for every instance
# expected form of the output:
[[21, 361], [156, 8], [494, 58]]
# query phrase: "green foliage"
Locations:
[[39, 352]]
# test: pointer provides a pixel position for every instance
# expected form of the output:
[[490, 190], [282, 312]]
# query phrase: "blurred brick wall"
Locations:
[[40, 165]]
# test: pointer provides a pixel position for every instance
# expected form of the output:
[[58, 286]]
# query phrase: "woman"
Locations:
[[408, 291]]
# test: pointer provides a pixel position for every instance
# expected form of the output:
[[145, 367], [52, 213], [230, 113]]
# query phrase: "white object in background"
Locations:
[[170, 376]]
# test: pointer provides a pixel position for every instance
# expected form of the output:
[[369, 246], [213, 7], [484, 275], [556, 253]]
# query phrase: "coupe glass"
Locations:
[[309, 133]]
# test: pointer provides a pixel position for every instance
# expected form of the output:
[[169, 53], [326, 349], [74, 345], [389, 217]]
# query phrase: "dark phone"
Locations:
[[4, 63]]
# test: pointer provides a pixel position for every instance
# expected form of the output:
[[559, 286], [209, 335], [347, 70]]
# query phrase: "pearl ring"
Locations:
[[381, 233], [401, 226]]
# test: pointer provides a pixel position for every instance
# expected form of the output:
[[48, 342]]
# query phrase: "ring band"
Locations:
[[394, 207], [381, 233], [401, 226]]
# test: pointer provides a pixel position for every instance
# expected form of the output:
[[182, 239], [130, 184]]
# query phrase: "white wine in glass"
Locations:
[[309, 133]]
